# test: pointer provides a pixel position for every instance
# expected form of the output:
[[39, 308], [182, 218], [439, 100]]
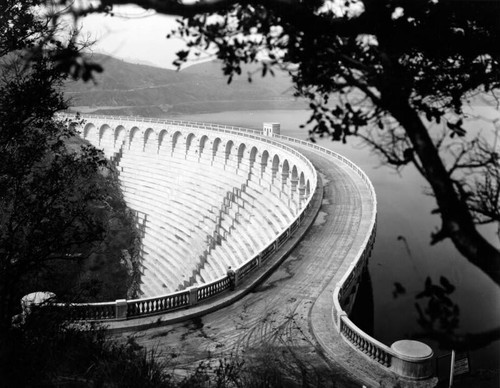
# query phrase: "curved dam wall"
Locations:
[[213, 196], [206, 201], [206, 198]]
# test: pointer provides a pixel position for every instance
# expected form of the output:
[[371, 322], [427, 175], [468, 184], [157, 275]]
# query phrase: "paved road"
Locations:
[[287, 319]]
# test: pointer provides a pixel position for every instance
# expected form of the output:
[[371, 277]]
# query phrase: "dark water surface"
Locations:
[[402, 253]]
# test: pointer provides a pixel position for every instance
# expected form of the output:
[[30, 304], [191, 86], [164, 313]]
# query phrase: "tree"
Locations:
[[386, 71], [58, 199]]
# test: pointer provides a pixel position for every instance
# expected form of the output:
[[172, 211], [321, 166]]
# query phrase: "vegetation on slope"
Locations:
[[131, 89]]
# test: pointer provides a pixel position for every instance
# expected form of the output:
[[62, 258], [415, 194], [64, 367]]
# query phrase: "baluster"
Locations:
[[372, 348], [365, 346], [387, 359], [380, 356], [383, 357]]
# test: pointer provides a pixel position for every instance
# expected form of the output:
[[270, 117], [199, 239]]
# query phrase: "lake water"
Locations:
[[402, 253]]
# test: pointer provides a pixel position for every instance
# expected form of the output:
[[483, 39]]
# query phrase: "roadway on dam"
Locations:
[[287, 319]]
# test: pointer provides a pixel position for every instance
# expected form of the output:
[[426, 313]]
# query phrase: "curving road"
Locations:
[[287, 319]]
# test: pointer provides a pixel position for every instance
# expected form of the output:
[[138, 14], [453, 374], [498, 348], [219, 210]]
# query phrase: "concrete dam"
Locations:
[[220, 207], [206, 201]]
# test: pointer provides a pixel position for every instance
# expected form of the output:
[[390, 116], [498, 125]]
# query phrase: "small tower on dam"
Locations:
[[270, 129]]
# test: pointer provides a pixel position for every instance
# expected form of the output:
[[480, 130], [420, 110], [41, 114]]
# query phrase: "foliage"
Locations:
[[390, 72], [439, 319], [46, 352], [396, 73], [60, 204]]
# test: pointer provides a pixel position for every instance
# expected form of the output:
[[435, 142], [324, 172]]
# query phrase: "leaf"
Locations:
[[448, 287]]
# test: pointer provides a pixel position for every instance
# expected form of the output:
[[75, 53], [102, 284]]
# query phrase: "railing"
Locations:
[[88, 311], [412, 367], [212, 289], [181, 123], [124, 309], [155, 305], [370, 346]]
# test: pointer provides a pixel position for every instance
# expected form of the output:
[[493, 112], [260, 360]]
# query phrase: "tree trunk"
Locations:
[[456, 217]]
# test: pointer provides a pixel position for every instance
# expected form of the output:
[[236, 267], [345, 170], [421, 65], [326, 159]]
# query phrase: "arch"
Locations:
[[285, 172], [229, 148], [89, 128], [295, 178], [276, 165], [263, 161], [120, 135], [161, 137], [203, 143], [241, 152], [175, 139], [104, 130], [189, 141], [308, 188], [149, 136], [302, 180], [133, 135], [106, 141], [215, 146], [253, 155]]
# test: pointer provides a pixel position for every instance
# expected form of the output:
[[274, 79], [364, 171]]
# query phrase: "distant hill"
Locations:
[[133, 89]]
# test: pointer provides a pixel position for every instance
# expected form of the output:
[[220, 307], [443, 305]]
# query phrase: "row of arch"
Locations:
[[174, 140]]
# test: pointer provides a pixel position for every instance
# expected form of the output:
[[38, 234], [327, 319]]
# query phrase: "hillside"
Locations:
[[132, 89]]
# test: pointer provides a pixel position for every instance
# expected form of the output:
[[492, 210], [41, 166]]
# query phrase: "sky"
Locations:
[[134, 34]]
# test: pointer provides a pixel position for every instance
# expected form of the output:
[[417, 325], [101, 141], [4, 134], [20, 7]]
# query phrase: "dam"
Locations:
[[209, 197]]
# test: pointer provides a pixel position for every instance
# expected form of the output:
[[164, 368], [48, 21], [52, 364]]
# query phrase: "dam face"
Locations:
[[204, 200]]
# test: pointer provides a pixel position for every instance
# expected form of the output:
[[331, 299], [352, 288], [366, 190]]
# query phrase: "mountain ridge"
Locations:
[[135, 89]]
